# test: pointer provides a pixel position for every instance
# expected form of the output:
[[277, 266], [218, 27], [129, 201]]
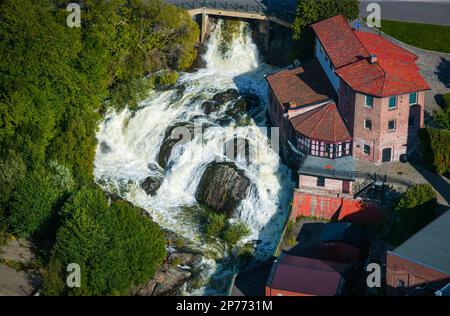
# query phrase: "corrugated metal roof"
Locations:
[[430, 246]]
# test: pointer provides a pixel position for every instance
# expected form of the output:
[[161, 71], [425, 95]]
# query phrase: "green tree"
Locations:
[[33, 203], [416, 208], [435, 149], [114, 245], [310, 11]]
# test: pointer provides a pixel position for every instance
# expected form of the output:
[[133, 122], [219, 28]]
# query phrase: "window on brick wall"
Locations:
[[368, 124], [413, 98], [320, 181], [391, 126], [369, 101], [367, 149], [392, 103], [400, 283]]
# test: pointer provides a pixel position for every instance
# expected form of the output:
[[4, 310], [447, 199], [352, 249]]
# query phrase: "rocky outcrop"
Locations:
[[170, 141], [152, 183], [222, 187], [226, 96], [105, 148], [180, 267]]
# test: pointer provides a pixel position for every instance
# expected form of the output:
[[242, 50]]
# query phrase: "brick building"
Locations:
[[421, 265], [301, 276], [381, 92], [361, 97]]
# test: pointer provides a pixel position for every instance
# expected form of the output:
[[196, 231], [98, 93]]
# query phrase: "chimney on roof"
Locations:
[[372, 58]]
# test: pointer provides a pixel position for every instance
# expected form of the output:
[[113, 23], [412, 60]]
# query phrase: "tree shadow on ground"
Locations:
[[443, 72]]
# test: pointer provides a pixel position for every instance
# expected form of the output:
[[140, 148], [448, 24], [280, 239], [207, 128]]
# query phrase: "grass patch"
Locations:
[[426, 36]]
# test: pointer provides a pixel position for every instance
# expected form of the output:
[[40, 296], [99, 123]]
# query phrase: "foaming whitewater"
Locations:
[[134, 139]]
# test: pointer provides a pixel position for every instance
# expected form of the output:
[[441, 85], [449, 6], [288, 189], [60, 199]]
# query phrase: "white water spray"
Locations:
[[134, 140]]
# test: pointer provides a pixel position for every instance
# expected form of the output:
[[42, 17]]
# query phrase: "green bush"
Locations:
[[168, 78], [34, 202], [415, 209], [435, 149], [235, 232], [115, 246], [215, 225]]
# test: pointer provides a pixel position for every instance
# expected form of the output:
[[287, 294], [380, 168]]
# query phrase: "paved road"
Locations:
[[422, 11]]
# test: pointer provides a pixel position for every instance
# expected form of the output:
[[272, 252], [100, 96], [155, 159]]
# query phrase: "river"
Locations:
[[133, 139]]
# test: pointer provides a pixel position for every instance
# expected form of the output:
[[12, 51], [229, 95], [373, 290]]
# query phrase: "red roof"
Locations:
[[395, 71], [339, 42], [302, 85], [307, 276], [322, 123]]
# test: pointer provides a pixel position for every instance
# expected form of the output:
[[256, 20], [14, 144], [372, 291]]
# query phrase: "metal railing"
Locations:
[[222, 5], [375, 177]]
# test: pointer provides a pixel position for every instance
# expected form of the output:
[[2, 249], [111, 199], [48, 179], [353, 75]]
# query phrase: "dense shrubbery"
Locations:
[[435, 148], [310, 11], [55, 83], [219, 228], [113, 244], [435, 140], [415, 209]]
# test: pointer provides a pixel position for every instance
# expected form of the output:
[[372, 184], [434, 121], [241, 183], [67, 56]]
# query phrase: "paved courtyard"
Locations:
[[410, 172]]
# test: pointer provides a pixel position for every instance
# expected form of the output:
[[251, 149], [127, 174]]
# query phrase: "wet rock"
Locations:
[[224, 121], [179, 92], [178, 269], [239, 107], [105, 148], [210, 107], [226, 96], [170, 141], [222, 187], [151, 184]]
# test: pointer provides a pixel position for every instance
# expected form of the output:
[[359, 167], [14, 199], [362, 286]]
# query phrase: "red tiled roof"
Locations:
[[394, 73], [307, 276], [339, 42], [322, 123], [302, 85]]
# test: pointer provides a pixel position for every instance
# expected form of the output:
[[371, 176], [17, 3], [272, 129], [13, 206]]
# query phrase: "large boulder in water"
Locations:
[[226, 96], [170, 140], [152, 183], [222, 187]]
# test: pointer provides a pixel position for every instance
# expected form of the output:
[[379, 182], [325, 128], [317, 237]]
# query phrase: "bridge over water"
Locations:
[[262, 11]]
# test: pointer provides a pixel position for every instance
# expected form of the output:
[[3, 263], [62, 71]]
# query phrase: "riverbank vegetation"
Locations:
[[55, 84], [310, 11], [426, 36]]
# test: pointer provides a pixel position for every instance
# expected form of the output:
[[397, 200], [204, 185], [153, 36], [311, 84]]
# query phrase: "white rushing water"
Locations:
[[134, 139]]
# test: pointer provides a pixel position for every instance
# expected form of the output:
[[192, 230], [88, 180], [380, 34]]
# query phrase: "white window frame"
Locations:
[[365, 101]]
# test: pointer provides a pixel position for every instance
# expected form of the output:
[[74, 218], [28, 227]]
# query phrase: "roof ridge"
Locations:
[[327, 109], [317, 110]]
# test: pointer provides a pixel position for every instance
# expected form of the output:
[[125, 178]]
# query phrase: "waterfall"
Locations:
[[134, 139]]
